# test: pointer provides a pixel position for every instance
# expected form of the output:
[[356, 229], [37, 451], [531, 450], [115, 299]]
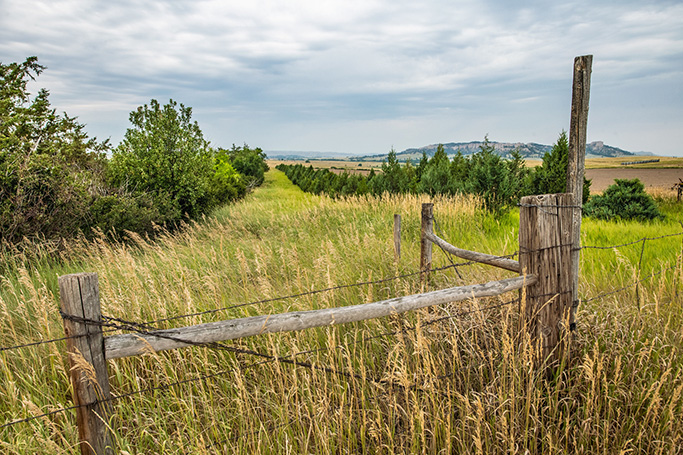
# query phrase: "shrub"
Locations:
[[49, 169], [626, 200], [251, 163], [166, 156]]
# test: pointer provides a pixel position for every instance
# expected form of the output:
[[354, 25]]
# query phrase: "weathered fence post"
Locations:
[[80, 298], [545, 247], [397, 237], [426, 244], [576, 165]]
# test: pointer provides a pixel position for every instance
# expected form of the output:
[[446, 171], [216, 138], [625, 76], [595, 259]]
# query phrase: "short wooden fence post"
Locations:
[[545, 249], [425, 243], [80, 299], [397, 237]]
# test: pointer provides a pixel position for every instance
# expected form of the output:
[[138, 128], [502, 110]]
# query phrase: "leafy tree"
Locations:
[[226, 184], [165, 155], [251, 163], [626, 200], [50, 171]]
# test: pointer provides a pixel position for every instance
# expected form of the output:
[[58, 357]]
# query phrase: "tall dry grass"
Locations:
[[457, 379]]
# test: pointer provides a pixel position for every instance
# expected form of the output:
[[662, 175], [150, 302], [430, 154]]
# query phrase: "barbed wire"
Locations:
[[37, 343], [344, 286], [216, 310], [239, 350], [644, 239], [143, 328], [285, 359], [635, 283]]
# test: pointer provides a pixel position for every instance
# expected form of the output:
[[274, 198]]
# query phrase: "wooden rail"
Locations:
[[126, 345], [496, 261]]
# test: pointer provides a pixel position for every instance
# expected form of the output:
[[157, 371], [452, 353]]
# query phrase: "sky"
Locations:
[[361, 76]]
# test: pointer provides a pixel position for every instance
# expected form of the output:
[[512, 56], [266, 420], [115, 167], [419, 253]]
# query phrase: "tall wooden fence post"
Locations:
[[576, 165], [397, 237], [545, 247], [425, 243], [80, 299]]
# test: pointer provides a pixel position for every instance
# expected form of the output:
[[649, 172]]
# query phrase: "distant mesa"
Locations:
[[531, 150], [308, 155]]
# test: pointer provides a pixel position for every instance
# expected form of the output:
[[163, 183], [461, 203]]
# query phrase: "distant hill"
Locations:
[[530, 150], [296, 155]]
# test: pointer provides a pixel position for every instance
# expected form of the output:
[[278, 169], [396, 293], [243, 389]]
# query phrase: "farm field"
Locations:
[[454, 379], [654, 179]]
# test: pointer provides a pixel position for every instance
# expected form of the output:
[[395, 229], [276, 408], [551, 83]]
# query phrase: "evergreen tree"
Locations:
[[626, 200], [551, 176]]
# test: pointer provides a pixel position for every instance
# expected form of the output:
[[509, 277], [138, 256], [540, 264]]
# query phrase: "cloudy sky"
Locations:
[[360, 77]]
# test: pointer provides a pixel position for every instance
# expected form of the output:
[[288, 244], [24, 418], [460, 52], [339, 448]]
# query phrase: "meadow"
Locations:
[[454, 379]]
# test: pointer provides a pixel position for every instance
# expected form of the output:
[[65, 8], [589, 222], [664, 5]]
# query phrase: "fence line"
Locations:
[[270, 358], [282, 358], [343, 286], [644, 239], [256, 302], [132, 326]]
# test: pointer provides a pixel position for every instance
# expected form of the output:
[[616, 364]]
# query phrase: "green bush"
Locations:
[[166, 156], [118, 213], [50, 171], [251, 163], [626, 200]]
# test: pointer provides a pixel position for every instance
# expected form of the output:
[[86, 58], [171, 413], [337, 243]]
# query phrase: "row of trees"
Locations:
[[498, 181], [55, 181]]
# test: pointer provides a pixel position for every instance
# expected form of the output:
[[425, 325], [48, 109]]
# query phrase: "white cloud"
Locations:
[[374, 66]]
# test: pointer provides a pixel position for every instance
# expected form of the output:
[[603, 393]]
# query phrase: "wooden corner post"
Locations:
[[545, 247], [425, 243], [581, 88], [80, 299]]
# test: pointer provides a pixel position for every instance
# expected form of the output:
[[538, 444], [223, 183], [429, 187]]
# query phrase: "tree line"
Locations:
[[56, 182], [499, 182]]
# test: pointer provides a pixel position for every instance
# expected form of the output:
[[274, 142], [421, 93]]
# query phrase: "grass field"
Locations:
[[457, 379]]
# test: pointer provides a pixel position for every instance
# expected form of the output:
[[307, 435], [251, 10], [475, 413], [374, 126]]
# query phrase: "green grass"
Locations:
[[462, 385]]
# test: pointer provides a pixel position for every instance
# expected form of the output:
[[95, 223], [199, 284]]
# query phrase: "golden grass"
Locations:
[[465, 384]]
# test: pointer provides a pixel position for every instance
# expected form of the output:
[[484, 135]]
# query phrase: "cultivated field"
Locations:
[[455, 379], [656, 179]]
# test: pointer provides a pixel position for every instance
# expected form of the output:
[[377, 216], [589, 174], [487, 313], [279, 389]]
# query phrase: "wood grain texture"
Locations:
[[88, 368], [578, 130], [497, 261], [545, 244], [397, 237], [118, 346], [426, 227]]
